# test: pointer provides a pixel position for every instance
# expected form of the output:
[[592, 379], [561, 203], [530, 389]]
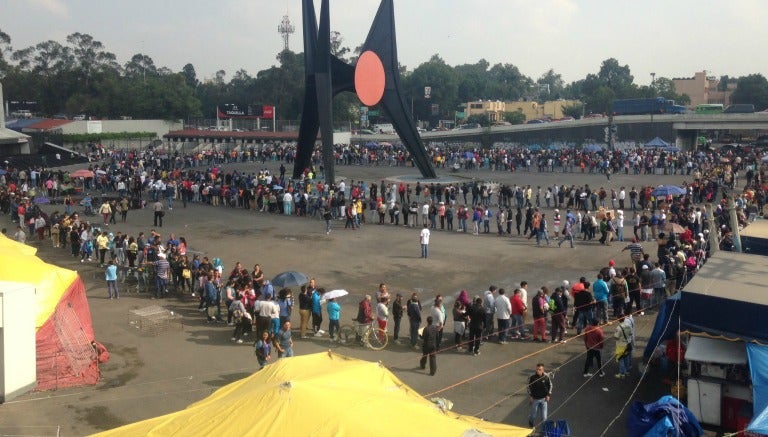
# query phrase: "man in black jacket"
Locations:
[[476, 314], [429, 346], [539, 390], [413, 310]]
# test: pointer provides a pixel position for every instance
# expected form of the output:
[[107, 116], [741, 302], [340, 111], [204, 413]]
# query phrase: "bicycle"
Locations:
[[367, 334]]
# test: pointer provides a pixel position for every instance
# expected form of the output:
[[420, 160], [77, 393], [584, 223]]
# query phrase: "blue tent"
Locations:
[[656, 142], [662, 418], [664, 329], [758, 367], [592, 148]]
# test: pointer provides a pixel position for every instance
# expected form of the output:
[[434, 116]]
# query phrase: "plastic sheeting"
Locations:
[[664, 328], [712, 350], [662, 418], [758, 367], [318, 394]]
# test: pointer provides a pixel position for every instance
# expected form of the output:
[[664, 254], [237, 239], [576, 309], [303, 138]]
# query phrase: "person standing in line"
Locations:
[[623, 336], [382, 313], [111, 277], [327, 216], [157, 207], [503, 311], [539, 391], [334, 312], [263, 349], [305, 309], [593, 341], [414, 318], [429, 346], [284, 342], [317, 311], [438, 315], [477, 320], [424, 239], [398, 308], [490, 309]]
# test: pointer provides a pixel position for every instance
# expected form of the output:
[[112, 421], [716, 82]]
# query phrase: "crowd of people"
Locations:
[[246, 301]]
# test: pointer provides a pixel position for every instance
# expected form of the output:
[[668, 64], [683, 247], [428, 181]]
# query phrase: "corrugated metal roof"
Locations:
[[47, 124]]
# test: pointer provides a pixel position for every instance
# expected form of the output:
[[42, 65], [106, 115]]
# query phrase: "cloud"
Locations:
[[53, 7]]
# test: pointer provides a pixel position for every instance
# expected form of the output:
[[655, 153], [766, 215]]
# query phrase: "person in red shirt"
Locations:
[[593, 341], [518, 310]]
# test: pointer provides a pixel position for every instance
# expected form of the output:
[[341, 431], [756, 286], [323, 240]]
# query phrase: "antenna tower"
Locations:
[[286, 29]]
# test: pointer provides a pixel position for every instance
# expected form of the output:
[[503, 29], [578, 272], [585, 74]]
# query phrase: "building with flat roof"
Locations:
[[703, 89], [495, 110]]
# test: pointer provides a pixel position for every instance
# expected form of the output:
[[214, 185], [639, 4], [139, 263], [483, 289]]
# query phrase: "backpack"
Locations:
[[237, 315], [617, 289]]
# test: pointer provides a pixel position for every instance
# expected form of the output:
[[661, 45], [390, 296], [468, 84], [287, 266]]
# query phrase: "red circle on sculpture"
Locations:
[[369, 78]]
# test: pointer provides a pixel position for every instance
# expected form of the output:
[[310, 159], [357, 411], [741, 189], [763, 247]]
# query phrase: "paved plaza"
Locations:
[[152, 375]]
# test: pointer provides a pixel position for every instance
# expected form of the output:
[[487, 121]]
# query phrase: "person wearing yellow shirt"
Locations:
[[102, 242]]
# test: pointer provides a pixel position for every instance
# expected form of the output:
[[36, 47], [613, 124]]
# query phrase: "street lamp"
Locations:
[[653, 91]]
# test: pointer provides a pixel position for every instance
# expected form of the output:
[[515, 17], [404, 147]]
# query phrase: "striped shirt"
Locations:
[[161, 268]]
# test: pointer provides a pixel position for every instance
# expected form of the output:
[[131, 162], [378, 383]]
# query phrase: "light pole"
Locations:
[[653, 94]]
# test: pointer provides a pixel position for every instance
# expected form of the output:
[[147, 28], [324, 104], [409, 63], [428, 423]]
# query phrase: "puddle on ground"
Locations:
[[98, 417]]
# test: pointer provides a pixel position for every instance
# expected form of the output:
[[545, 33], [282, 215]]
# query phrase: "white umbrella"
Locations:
[[100, 171], [333, 294]]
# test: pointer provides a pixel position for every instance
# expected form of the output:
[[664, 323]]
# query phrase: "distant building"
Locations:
[[495, 109], [702, 89]]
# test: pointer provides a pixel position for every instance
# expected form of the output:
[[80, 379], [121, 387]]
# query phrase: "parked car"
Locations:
[[79, 117]]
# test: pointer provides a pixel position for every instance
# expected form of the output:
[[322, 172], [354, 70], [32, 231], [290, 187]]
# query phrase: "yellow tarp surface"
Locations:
[[323, 394], [18, 264]]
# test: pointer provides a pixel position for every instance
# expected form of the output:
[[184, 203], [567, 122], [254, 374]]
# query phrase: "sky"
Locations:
[[670, 38]]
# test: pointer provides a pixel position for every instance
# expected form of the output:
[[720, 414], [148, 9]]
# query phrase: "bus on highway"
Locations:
[[709, 108]]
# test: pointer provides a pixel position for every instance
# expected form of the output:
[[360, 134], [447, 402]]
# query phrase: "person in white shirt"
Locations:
[[424, 238], [503, 314]]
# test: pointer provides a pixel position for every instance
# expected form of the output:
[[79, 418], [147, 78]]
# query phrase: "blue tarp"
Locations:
[[758, 367], [656, 142], [662, 418], [664, 329], [593, 148]]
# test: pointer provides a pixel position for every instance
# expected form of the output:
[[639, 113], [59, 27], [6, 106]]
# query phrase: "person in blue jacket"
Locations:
[[317, 312], [334, 311], [600, 291]]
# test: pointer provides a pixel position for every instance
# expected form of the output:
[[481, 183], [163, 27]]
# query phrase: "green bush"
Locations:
[[95, 138]]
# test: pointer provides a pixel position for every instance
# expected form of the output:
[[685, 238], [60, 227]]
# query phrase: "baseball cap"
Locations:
[[645, 266]]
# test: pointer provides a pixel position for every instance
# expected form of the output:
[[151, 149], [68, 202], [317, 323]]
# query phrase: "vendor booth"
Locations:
[[723, 311], [754, 238]]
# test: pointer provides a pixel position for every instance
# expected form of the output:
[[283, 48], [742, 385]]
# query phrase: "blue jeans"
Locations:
[[160, 284], [602, 311], [536, 406], [424, 250], [517, 320], [414, 332], [585, 317], [541, 235], [625, 363], [503, 325]]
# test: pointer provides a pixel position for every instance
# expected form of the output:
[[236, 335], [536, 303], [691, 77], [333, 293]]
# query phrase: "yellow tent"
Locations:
[[13, 246], [18, 263], [323, 394]]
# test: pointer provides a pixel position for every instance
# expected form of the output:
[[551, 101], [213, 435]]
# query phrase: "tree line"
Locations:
[[80, 76]]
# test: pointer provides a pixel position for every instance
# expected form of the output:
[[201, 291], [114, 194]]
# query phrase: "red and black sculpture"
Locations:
[[375, 80]]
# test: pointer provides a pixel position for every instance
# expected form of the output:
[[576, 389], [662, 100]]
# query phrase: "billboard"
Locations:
[[232, 110]]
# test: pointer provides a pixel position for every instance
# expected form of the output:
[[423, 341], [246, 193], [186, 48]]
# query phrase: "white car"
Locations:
[[79, 117]]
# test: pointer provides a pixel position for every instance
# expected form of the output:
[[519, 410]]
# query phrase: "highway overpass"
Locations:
[[684, 128]]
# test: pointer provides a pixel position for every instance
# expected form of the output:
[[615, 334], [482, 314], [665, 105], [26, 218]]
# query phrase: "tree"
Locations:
[[507, 83], [438, 75], [752, 89], [89, 56], [337, 49], [190, 76], [555, 83], [515, 117], [473, 81], [140, 66], [481, 119], [574, 111], [5, 51]]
